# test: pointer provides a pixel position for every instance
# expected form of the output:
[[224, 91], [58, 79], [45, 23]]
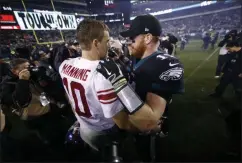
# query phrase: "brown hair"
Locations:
[[88, 30], [14, 64]]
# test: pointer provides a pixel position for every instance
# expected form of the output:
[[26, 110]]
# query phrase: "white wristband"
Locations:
[[130, 99]]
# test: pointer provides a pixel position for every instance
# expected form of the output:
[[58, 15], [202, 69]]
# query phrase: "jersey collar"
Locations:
[[143, 60]]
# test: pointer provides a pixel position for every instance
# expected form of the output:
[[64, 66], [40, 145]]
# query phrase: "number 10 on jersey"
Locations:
[[77, 88]]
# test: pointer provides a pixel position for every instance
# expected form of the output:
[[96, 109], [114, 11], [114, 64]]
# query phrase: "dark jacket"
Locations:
[[4, 70], [15, 92], [234, 63]]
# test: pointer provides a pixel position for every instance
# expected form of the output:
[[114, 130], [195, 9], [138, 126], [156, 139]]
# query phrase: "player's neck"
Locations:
[[150, 50], [89, 55]]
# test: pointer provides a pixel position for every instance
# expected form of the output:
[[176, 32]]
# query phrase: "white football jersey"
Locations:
[[91, 96]]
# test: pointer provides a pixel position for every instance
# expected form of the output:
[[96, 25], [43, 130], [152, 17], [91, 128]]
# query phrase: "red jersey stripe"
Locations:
[[106, 97], [105, 90], [109, 101]]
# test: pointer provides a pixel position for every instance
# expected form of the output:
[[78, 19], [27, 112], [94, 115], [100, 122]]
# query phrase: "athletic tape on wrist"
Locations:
[[130, 99], [119, 84]]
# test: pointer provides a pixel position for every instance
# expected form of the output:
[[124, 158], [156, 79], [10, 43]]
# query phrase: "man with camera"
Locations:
[[15, 93], [22, 98], [19, 95], [15, 87]]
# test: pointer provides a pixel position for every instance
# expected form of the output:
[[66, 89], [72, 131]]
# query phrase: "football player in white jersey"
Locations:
[[96, 104]]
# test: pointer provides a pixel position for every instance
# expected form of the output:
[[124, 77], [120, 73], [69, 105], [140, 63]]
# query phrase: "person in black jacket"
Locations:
[[62, 53], [3, 70], [15, 90], [169, 43], [223, 57], [232, 70], [14, 94]]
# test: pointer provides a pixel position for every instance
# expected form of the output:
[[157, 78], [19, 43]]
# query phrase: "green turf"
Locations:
[[197, 130]]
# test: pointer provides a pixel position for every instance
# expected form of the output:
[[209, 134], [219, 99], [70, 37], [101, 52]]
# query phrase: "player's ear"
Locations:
[[148, 38], [95, 42]]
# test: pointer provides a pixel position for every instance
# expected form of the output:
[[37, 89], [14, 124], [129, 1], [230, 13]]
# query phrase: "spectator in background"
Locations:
[[214, 39], [206, 41], [232, 70], [183, 43], [222, 58]]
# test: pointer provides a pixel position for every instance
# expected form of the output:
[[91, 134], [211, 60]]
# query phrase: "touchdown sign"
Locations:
[[45, 20]]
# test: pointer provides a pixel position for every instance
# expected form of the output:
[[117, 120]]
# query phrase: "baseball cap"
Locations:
[[143, 24], [232, 44]]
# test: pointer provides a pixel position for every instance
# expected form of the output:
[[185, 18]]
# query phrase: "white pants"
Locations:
[[97, 139]]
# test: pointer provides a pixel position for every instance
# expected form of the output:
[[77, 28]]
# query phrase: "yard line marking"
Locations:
[[200, 65]]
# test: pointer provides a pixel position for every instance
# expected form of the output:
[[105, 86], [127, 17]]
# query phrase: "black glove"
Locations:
[[111, 71]]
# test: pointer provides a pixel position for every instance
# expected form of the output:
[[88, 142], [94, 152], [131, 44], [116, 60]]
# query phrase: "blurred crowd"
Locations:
[[198, 24], [155, 6]]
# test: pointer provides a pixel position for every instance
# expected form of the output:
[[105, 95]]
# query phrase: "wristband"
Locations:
[[130, 99], [118, 85]]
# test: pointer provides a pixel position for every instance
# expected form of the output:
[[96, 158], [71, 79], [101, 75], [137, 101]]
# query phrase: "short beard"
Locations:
[[139, 51]]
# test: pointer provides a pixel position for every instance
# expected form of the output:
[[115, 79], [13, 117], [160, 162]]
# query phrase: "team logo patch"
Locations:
[[161, 57], [172, 74]]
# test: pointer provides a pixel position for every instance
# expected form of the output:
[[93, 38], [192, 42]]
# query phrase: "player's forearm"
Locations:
[[156, 103], [142, 115], [145, 119]]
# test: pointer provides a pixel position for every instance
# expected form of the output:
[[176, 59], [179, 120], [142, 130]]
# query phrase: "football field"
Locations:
[[198, 132]]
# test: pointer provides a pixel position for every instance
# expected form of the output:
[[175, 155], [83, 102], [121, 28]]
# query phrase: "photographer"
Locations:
[[15, 88], [15, 94], [223, 57], [62, 53], [74, 49], [22, 97], [232, 70], [48, 79]]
